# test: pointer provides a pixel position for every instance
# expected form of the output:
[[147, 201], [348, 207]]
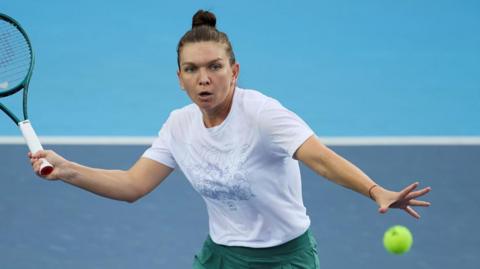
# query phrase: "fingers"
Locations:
[[412, 212], [406, 200], [418, 203], [408, 190], [411, 197], [36, 160], [419, 193], [39, 154], [36, 166]]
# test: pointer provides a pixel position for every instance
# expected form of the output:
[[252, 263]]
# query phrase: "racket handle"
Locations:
[[34, 145]]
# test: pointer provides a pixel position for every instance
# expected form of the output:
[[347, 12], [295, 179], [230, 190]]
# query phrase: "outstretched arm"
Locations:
[[129, 185], [332, 166]]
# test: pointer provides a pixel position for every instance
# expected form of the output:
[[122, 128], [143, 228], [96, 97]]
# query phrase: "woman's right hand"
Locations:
[[58, 162]]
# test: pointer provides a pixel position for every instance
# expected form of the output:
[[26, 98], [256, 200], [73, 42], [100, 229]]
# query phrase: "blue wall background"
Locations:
[[349, 68]]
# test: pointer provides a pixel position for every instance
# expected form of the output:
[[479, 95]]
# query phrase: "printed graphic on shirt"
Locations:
[[219, 174]]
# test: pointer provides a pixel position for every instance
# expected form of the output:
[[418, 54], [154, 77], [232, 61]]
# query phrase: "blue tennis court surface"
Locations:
[[54, 225]]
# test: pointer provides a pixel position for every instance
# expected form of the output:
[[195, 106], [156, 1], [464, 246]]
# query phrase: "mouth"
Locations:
[[205, 95]]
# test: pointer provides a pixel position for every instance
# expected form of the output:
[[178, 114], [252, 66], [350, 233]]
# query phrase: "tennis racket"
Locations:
[[16, 66]]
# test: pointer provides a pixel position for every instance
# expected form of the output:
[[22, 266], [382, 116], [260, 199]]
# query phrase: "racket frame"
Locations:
[[23, 84], [25, 126]]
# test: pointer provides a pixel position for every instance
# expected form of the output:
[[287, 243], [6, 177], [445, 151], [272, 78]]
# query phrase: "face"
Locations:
[[206, 75]]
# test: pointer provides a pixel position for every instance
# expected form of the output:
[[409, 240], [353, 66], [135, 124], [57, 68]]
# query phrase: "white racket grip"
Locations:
[[34, 145]]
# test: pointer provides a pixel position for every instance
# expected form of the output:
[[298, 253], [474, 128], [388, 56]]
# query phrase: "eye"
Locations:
[[189, 69], [216, 66]]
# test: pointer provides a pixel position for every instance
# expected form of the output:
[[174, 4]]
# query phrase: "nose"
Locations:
[[204, 79]]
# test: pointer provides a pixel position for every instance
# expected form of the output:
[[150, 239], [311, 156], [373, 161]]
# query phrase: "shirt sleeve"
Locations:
[[285, 129], [160, 151]]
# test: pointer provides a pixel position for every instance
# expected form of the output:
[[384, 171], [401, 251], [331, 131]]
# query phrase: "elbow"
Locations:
[[131, 200], [133, 197], [132, 191]]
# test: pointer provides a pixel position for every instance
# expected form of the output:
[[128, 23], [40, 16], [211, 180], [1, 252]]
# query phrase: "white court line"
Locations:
[[332, 141], [82, 140], [401, 140]]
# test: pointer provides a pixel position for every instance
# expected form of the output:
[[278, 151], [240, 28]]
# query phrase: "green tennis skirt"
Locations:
[[300, 253]]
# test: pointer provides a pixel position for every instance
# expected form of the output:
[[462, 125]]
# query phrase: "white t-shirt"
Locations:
[[243, 168]]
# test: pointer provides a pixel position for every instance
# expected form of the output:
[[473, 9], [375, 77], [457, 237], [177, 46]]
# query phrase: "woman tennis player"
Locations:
[[240, 150]]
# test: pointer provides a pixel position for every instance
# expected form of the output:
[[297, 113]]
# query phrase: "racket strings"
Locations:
[[9, 36], [13, 49], [15, 63], [13, 78], [9, 50], [15, 56]]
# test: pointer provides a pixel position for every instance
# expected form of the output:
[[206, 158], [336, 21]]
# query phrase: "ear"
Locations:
[[235, 72], [180, 80]]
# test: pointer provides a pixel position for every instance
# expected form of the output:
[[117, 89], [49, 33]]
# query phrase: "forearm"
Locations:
[[113, 184], [332, 166], [341, 171]]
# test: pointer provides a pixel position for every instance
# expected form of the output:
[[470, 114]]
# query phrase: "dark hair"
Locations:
[[203, 29]]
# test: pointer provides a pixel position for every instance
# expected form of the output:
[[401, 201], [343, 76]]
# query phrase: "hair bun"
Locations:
[[203, 17]]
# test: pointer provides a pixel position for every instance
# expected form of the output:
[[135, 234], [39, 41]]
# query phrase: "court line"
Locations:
[[333, 141]]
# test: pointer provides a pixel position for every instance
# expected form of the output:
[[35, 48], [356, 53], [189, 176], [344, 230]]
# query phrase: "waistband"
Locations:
[[306, 240]]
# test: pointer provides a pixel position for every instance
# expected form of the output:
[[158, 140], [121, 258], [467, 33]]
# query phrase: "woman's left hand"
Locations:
[[405, 199]]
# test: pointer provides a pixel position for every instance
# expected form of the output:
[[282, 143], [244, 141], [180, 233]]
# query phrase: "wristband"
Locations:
[[370, 191]]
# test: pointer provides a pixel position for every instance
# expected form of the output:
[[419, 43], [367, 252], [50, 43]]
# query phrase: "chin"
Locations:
[[205, 105]]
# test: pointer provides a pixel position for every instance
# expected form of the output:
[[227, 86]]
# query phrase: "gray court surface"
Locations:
[[53, 225]]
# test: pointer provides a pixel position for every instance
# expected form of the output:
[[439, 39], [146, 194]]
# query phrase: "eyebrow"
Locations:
[[208, 63]]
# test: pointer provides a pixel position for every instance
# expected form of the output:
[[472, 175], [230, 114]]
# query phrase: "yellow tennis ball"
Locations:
[[397, 239]]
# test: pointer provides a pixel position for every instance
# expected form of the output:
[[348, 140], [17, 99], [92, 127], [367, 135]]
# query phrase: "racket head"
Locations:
[[16, 57]]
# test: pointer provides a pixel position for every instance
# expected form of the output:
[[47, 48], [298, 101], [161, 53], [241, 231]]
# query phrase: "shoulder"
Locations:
[[251, 95], [183, 116], [253, 101], [184, 112]]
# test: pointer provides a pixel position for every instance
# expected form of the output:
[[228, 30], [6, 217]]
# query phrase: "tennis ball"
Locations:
[[397, 239]]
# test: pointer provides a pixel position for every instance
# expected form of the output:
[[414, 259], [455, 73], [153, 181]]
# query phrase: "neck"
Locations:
[[217, 115]]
